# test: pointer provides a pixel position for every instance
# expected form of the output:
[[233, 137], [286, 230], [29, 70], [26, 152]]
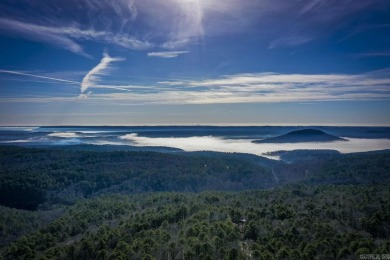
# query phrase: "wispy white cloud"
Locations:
[[93, 76], [65, 37], [230, 97], [236, 88], [250, 79], [68, 24], [65, 135], [310, 6], [300, 22], [38, 76], [166, 54], [41, 34], [168, 24], [289, 41], [173, 24]]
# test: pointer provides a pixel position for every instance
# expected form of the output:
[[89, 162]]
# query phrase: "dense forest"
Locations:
[[30, 177], [75, 204]]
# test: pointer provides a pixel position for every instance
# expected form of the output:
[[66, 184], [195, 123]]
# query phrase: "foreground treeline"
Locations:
[[294, 222], [68, 204]]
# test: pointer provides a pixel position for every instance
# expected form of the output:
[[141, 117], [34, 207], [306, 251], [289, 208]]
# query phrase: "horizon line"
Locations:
[[205, 125]]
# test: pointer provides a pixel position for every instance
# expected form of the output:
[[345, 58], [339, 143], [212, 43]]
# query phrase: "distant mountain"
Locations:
[[302, 136]]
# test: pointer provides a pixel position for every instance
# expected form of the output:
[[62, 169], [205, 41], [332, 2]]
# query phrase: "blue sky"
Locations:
[[231, 62]]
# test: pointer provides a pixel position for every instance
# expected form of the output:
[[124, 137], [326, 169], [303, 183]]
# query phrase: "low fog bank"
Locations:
[[210, 143]]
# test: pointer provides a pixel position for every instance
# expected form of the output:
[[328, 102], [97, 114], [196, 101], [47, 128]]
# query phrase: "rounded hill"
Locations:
[[302, 136]]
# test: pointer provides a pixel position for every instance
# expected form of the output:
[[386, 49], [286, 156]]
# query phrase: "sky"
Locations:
[[195, 62]]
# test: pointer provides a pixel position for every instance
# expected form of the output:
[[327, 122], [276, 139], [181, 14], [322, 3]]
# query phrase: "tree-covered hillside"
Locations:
[[295, 222], [30, 177], [75, 204]]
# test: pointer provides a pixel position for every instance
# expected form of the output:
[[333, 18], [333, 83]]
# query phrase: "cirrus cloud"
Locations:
[[93, 76], [166, 54]]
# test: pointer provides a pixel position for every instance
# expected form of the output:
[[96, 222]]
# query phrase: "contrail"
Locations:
[[37, 76]]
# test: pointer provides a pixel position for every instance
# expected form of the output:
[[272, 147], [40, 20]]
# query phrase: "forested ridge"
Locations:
[[30, 177], [64, 204]]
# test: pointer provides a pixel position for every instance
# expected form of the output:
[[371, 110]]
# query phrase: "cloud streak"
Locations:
[[41, 34], [264, 88], [236, 88], [172, 24], [300, 22], [65, 37], [38, 76], [289, 41], [93, 76], [166, 54]]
